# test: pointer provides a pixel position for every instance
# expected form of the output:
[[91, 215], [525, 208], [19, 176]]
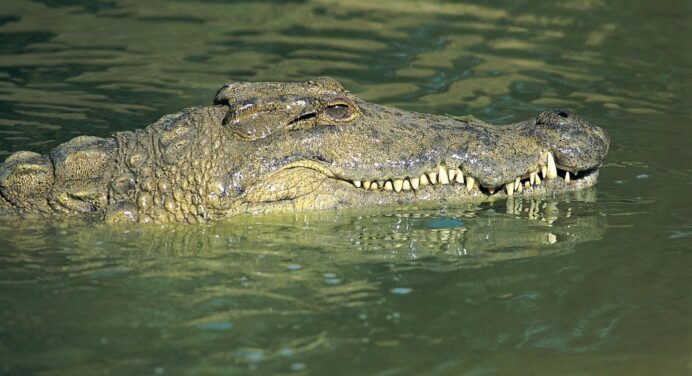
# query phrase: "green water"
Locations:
[[594, 283]]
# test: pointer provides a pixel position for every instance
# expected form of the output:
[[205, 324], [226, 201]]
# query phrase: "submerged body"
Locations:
[[281, 147]]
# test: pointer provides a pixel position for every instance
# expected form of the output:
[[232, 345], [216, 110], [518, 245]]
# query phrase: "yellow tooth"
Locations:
[[366, 184], [442, 175], [388, 186], [532, 178], [424, 180], [567, 177], [415, 183], [432, 176], [538, 180], [374, 186], [544, 171], [398, 184], [451, 173], [470, 182], [519, 188], [552, 169], [405, 186], [491, 190], [459, 176], [527, 184], [510, 189], [357, 183], [517, 184]]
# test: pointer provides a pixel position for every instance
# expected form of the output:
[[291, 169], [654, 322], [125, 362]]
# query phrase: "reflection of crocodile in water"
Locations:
[[465, 235], [281, 147]]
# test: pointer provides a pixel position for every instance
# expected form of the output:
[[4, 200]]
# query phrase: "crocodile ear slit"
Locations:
[[303, 117]]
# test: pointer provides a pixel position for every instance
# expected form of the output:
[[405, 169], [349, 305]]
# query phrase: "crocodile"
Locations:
[[270, 147]]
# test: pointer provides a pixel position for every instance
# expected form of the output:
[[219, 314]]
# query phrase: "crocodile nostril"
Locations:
[[564, 114]]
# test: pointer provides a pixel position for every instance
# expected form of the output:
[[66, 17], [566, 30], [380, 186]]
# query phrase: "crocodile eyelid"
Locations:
[[340, 110]]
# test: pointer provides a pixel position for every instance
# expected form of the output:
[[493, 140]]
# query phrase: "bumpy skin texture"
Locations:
[[278, 147]]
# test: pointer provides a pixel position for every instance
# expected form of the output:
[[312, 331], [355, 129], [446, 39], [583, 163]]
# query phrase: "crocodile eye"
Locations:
[[338, 111]]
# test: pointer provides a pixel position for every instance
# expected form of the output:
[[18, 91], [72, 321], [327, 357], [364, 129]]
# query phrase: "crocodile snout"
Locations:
[[576, 144]]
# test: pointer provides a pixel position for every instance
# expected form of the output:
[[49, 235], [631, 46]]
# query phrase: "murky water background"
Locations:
[[593, 283]]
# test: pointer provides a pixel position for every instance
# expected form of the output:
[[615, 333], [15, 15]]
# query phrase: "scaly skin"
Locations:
[[279, 147]]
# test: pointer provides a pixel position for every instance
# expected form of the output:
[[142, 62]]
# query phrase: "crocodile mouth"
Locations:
[[546, 177], [534, 182]]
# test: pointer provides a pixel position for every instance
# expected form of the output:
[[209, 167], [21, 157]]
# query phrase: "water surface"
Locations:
[[591, 283]]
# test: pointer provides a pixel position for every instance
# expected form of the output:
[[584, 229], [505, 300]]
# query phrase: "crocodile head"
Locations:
[[278, 147]]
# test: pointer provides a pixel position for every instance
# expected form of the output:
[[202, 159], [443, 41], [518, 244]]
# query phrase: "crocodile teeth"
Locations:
[[442, 175], [415, 183], [459, 176], [424, 180], [470, 181], [552, 169], [398, 185]]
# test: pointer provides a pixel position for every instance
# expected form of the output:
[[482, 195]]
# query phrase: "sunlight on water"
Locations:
[[595, 282]]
